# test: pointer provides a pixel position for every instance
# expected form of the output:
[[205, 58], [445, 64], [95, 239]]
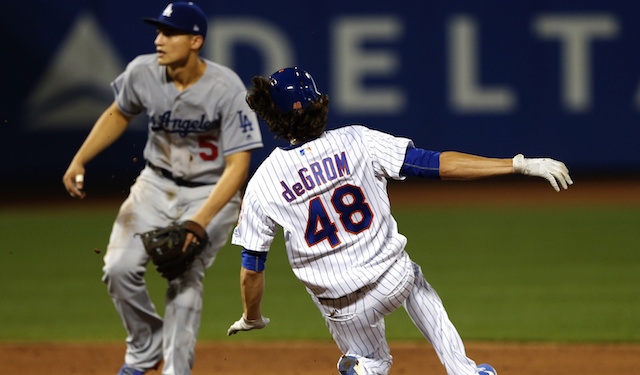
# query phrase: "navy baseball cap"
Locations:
[[182, 16]]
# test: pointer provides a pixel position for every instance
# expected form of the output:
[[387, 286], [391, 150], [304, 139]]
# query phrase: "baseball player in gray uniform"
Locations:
[[327, 190], [201, 133]]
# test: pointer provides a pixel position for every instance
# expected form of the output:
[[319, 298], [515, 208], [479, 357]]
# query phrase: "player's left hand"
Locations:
[[243, 324], [554, 171]]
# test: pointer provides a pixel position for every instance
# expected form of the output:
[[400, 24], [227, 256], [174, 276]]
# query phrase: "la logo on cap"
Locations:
[[168, 10]]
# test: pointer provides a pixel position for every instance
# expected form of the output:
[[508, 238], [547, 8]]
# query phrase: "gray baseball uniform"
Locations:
[[190, 133], [329, 195]]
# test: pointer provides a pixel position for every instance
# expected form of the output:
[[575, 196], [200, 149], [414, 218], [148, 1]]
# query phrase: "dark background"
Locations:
[[59, 58]]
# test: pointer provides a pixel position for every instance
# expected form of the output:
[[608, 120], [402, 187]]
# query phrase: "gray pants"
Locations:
[[154, 202]]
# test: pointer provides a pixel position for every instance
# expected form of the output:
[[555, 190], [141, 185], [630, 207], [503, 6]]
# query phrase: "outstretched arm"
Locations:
[[461, 166], [109, 127], [452, 165]]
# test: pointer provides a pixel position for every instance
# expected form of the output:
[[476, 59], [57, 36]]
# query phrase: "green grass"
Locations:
[[535, 274], [525, 274]]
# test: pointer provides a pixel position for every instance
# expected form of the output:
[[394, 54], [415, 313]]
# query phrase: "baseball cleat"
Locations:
[[126, 370], [486, 369], [349, 365]]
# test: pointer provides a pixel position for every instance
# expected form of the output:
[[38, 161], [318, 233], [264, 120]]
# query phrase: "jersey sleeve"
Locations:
[[124, 91], [255, 230], [240, 128], [388, 153]]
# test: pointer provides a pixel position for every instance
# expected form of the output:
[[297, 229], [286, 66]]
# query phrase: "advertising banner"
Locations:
[[545, 78]]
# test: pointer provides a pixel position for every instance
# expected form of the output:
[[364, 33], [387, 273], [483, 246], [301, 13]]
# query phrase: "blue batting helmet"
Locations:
[[292, 89]]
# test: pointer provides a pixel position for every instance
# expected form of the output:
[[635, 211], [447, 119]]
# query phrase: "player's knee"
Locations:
[[121, 274], [185, 289]]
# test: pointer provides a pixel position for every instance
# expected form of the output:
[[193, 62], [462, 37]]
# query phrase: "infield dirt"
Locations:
[[294, 358]]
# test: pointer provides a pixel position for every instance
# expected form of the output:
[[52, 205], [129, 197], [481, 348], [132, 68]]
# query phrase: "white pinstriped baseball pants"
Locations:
[[356, 321]]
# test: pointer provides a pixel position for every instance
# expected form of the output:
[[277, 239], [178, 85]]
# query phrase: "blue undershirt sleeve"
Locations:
[[254, 260], [421, 163]]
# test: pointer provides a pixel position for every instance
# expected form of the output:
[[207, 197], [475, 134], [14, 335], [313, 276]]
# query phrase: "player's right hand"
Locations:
[[73, 181], [243, 324]]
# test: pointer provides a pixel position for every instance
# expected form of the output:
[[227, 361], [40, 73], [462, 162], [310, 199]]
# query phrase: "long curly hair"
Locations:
[[298, 125]]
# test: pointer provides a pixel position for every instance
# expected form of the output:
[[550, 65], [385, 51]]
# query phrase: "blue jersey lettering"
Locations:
[[316, 174], [183, 127]]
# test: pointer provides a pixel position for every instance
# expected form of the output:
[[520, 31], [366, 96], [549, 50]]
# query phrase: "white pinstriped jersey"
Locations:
[[329, 195], [190, 131]]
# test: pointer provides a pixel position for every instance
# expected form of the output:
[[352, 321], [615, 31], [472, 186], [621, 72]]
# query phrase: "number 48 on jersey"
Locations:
[[350, 204]]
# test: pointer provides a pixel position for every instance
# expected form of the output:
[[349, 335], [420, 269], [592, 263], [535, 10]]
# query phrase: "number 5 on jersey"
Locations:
[[210, 149]]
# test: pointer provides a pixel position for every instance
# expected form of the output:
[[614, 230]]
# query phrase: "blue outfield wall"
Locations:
[[546, 78]]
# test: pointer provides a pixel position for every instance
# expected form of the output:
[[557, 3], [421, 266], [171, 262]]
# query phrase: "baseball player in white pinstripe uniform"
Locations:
[[327, 190], [201, 133]]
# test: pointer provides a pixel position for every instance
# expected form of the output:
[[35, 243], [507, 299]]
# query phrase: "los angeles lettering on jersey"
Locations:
[[183, 127], [318, 173]]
